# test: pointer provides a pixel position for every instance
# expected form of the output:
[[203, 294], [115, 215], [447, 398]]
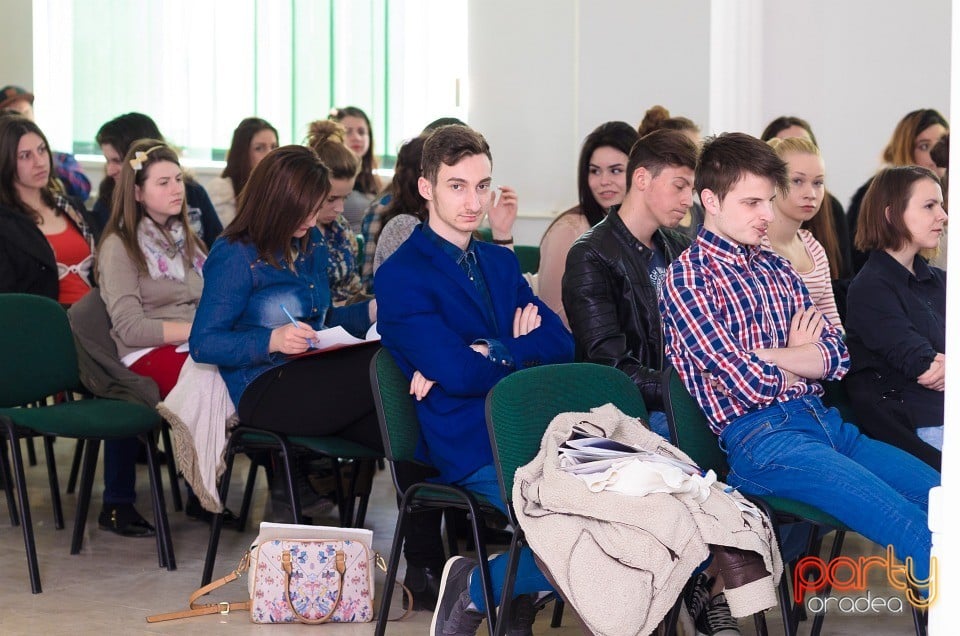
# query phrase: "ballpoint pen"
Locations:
[[295, 323]]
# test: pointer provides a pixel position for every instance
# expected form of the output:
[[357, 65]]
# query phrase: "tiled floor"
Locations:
[[114, 583]]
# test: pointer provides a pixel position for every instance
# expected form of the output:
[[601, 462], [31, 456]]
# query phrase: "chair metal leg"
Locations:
[[28, 540], [247, 495], [919, 621], [175, 497], [216, 524], [90, 456], [509, 578], [557, 617], [760, 623], [289, 460], [164, 540], [31, 451], [54, 482], [477, 526], [394, 565], [75, 467], [8, 483], [450, 530], [834, 553]]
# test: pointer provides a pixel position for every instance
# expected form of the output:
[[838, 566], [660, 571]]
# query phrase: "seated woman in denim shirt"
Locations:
[[272, 258]]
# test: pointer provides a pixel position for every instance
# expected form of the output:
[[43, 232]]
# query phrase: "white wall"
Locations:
[[544, 73], [16, 43], [853, 69]]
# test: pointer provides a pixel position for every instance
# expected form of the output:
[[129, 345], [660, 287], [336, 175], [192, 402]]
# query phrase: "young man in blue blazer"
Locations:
[[458, 316]]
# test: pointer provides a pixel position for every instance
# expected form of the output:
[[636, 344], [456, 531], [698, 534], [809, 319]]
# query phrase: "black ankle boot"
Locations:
[[424, 583]]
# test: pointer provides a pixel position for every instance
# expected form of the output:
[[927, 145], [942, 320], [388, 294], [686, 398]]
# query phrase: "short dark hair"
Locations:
[[725, 158], [618, 135], [238, 157], [660, 149], [448, 145], [282, 192], [120, 132], [890, 190]]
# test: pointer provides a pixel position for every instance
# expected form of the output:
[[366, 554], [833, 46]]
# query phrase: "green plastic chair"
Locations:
[[37, 342], [290, 448], [529, 257], [400, 431], [690, 432], [519, 409]]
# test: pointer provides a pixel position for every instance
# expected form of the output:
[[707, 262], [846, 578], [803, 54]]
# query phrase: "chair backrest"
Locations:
[[529, 257], [522, 405], [39, 357], [396, 412], [689, 430]]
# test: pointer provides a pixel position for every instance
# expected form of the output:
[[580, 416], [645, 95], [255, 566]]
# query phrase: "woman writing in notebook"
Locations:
[[272, 260]]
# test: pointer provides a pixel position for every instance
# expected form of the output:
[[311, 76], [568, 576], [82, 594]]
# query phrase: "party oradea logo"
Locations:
[[844, 574]]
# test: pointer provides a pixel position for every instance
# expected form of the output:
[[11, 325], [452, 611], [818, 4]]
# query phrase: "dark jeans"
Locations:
[[324, 394]]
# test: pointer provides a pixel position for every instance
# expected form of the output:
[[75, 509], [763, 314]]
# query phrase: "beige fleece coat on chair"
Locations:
[[622, 560]]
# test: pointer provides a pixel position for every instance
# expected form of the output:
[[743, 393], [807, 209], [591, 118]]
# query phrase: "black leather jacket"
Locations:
[[612, 305]]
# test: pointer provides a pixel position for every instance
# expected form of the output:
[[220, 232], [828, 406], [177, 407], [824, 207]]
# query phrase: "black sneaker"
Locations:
[[716, 619], [123, 519], [696, 596], [424, 584], [523, 614], [453, 616]]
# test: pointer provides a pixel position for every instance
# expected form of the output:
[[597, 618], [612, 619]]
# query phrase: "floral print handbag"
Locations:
[[297, 580], [295, 577]]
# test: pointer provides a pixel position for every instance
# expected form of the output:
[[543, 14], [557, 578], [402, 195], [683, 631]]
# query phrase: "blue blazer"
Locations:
[[429, 313]]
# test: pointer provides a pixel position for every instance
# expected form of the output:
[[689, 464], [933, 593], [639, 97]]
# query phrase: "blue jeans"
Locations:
[[801, 450], [530, 579], [657, 420]]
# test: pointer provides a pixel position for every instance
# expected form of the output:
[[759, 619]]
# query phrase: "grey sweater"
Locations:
[[139, 305]]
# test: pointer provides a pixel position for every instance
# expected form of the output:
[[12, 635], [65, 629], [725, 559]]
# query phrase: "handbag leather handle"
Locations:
[[287, 564]]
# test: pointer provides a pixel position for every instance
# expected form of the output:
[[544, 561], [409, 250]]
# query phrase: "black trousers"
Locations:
[[323, 394]]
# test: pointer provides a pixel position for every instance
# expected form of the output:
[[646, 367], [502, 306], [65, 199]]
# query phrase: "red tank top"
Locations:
[[72, 253]]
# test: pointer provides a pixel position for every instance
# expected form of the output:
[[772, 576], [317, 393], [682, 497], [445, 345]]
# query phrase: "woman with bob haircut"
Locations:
[[913, 139], [270, 262], [896, 315], [151, 276], [252, 139], [601, 184], [46, 239]]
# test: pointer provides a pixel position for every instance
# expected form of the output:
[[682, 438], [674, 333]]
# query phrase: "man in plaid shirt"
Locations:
[[749, 345]]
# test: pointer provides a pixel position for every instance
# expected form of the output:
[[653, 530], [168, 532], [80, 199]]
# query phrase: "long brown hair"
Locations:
[[283, 191], [367, 181], [238, 157], [127, 213], [12, 130], [821, 225], [899, 150]]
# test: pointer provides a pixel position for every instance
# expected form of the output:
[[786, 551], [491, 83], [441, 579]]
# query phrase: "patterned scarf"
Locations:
[[165, 258]]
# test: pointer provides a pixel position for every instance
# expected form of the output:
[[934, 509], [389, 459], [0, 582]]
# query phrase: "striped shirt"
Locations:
[[817, 279], [721, 301]]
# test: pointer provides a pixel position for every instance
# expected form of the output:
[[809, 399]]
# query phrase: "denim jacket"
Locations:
[[240, 307]]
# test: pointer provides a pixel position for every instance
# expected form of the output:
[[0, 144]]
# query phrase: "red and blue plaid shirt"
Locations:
[[720, 302]]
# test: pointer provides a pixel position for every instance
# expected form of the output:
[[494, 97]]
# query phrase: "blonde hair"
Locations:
[[326, 137], [821, 225]]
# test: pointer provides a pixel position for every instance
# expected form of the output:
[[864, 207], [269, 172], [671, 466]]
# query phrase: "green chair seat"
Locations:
[[103, 419], [330, 446], [803, 512]]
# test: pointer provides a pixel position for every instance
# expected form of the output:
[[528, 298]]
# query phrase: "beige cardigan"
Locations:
[[137, 304], [622, 560]]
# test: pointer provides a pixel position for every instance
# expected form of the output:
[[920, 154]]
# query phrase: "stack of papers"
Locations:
[[585, 454]]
